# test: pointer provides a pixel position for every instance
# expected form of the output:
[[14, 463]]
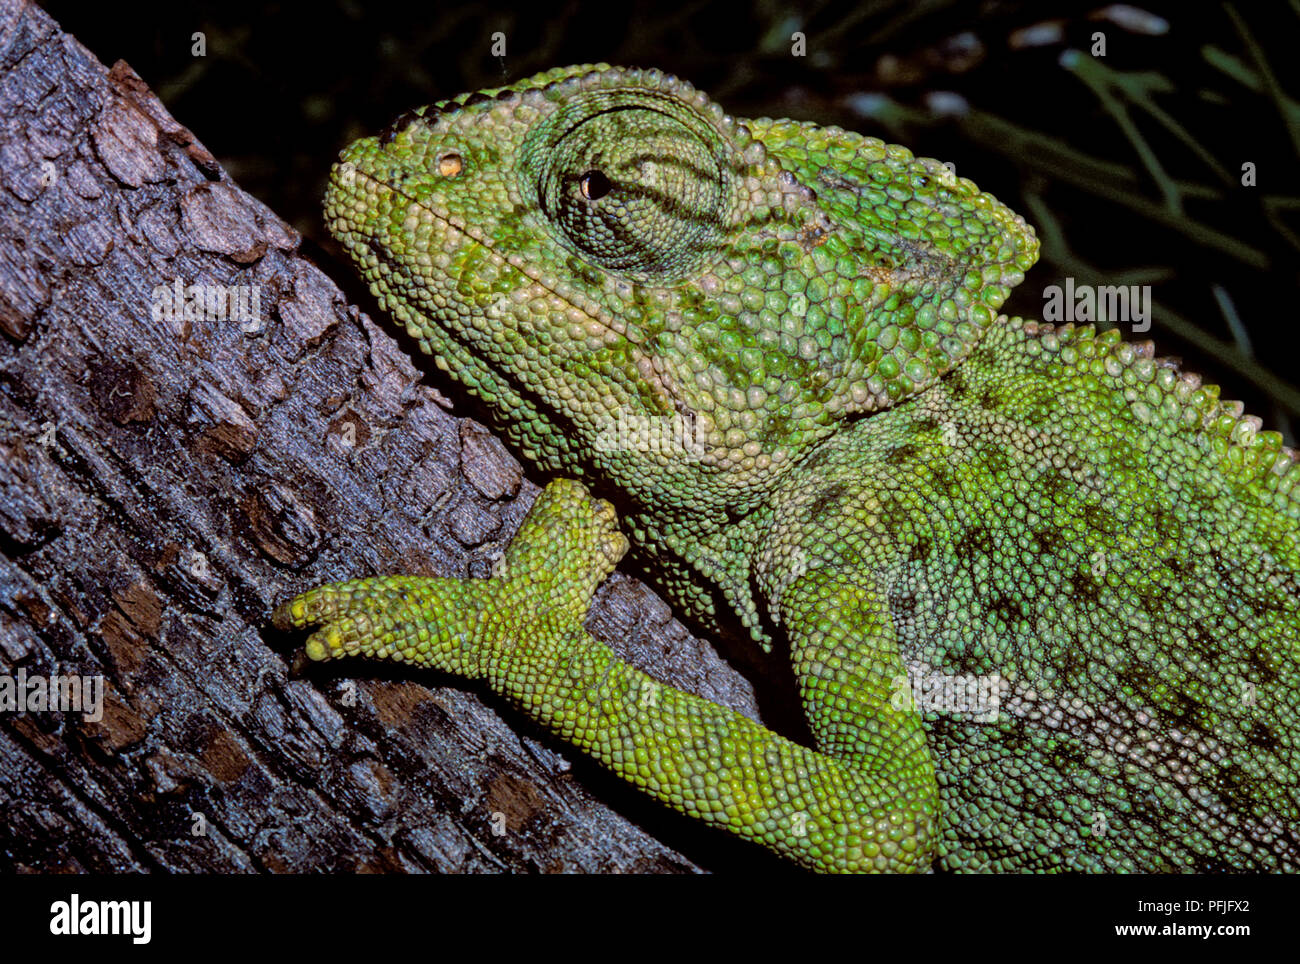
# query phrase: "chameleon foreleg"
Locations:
[[853, 807]]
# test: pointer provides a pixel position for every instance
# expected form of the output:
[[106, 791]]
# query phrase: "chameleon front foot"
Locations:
[[567, 545]]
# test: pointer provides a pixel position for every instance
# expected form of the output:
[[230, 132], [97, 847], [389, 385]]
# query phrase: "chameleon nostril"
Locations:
[[450, 165]]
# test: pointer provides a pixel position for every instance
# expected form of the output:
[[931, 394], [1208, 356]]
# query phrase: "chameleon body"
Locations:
[[1038, 587]]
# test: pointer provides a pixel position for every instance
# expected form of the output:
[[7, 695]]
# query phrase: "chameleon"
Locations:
[[1038, 588]]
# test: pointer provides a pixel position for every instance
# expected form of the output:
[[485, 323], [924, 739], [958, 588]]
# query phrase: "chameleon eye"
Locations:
[[659, 179], [450, 164], [594, 185]]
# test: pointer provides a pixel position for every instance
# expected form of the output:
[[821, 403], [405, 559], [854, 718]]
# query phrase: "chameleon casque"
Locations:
[[780, 345]]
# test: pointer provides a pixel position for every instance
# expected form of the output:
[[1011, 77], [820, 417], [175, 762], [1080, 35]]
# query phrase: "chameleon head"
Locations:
[[635, 281]]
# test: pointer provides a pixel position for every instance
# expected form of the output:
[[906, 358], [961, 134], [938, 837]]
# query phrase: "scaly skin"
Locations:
[[780, 344]]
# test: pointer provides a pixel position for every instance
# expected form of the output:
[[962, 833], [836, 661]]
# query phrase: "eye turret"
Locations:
[[632, 189]]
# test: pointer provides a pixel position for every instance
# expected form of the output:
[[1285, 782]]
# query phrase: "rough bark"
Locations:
[[164, 481]]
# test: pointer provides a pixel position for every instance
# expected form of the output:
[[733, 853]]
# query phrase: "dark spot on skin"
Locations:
[[921, 550], [903, 603], [384, 256], [1068, 755], [1203, 640], [989, 398], [1166, 525], [1085, 587], [833, 180], [975, 541], [1020, 742], [1223, 568], [1138, 677], [1099, 520], [1048, 542], [1260, 672], [922, 258], [1232, 783], [1182, 711], [812, 237], [476, 98], [1155, 604], [942, 478], [1261, 735], [580, 269], [992, 455], [826, 499], [816, 460], [1006, 607], [1074, 664], [901, 454]]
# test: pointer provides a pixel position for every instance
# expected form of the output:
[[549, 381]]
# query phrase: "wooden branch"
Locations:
[[167, 475]]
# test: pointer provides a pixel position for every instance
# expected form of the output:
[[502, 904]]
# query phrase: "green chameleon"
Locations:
[[1039, 588]]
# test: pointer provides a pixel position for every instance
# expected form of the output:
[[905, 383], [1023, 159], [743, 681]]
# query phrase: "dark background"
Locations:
[[1129, 165]]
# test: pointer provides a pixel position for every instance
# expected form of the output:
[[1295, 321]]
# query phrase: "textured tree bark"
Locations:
[[167, 476]]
